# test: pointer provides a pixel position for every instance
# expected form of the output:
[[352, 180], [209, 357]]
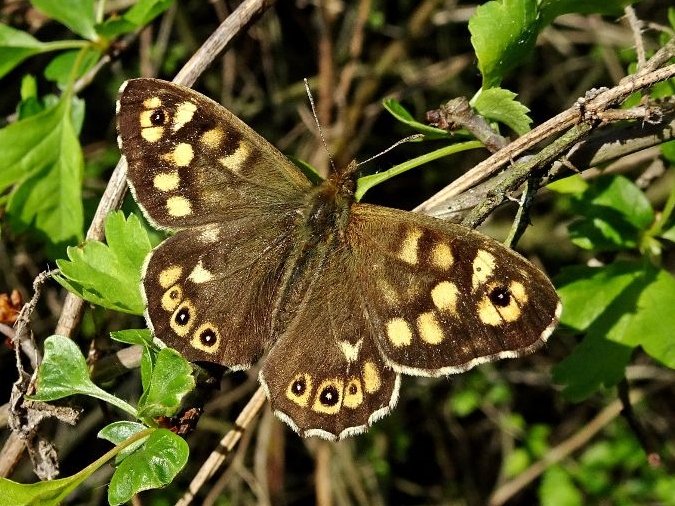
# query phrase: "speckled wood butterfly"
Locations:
[[339, 297]]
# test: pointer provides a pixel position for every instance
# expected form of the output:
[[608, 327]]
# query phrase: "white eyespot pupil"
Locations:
[[500, 296], [329, 396], [183, 316]]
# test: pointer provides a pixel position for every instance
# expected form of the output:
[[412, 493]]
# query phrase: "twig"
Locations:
[[218, 456], [636, 28], [563, 122], [560, 452], [641, 435]]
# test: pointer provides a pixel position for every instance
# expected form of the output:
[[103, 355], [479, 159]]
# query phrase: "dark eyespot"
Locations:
[[157, 117], [174, 294], [208, 337], [329, 396], [182, 316], [352, 389], [299, 386], [500, 296]]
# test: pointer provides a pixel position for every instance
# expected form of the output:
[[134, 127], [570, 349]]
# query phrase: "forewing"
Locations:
[[444, 298], [192, 162]]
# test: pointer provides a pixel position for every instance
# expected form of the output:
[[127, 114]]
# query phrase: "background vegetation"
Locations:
[[545, 429]]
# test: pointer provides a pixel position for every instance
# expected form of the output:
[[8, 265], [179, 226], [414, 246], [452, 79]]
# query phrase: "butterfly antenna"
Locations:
[[410, 138], [318, 125]]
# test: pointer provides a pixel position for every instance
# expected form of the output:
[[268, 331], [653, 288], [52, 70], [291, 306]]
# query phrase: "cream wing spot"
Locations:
[[209, 234], [429, 329], [171, 298], [408, 252], [166, 181], [152, 134], [169, 276], [398, 332], [178, 207], [519, 292], [181, 156], [183, 116], [488, 313], [444, 296], [199, 274], [145, 119], [212, 138], [236, 160], [152, 103], [351, 351], [353, 396], [441, 256], [483, 267], [371, 377]]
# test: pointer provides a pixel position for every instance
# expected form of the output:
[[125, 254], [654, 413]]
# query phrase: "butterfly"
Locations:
[[337, 298]]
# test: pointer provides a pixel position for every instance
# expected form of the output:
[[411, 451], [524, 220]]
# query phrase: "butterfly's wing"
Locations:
[[192, 162], [210, 291], [325, 375], [401, 293], [444, 298], [233, 199]]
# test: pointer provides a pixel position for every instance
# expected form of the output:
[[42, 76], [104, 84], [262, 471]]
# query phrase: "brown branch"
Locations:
[[580, 116]]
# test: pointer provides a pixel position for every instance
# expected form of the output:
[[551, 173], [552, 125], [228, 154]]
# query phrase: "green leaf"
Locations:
[[30, 104], [43, 158], [569, 185], [77, 15], [109, 275], [465, 402], [558, 489], [500, 105], [587, 293], [668, 149], [593, 364], [171, 380], [118, 432], [64, 372], [669, 233], [551, 9], [651, 323], [133, 336], [615, 212], [138, 16], [622, 195], [60, 69], [153, 465], [619, 307], [42, 493], [401, 114], [503, 34], [16, 46]]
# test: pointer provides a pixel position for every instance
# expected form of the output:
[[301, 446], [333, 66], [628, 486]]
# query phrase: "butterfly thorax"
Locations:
[[327, 210]]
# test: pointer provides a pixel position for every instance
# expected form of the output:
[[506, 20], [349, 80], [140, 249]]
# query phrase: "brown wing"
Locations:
[[325, 375], [210, 290], [234, 199], [444, 298], [192, 162]]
